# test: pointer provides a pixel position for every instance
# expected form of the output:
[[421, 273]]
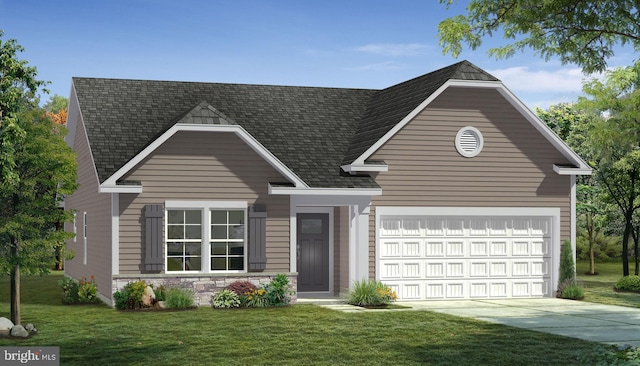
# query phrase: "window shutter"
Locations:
[[257, 238], [154, 259]]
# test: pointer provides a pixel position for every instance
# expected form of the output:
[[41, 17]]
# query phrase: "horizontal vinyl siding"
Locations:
[[212, 166], [514, 169], [98, 209]]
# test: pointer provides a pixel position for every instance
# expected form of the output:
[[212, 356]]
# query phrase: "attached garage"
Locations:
[[467, 253]]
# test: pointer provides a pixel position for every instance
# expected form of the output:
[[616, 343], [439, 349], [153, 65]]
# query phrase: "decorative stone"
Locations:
[[161, 305], [149, 297], [29, 327], [6, 323], [19, 331]]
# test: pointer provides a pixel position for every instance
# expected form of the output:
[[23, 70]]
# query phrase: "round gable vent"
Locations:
[[469, 142]]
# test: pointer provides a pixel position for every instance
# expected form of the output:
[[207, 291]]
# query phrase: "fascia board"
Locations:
[[238, 130], [119, 189], [353, 168], [571, 171], [291, 191]]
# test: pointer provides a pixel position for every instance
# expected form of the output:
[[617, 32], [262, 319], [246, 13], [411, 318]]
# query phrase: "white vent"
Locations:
[[469, 142]]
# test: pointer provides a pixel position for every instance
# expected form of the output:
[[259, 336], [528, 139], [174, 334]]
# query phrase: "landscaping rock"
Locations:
[[19, 331], [161, 305], [149, 297], [6, 323], [29, 327]]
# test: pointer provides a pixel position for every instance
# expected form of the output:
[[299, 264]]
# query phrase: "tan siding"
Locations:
[[98, 209], [203, 166], [514, 169]]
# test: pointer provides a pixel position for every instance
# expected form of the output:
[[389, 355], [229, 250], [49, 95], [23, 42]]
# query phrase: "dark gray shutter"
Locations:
[[257, 238], [154, 258]]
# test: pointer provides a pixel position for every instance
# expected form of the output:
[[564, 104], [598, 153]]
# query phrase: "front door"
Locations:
[[313, 252]]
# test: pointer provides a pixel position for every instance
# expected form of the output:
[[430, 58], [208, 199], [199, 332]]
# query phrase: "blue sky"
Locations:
[[355, 44]]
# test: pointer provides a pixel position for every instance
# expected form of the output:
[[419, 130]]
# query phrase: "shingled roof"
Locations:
[[311, 130]]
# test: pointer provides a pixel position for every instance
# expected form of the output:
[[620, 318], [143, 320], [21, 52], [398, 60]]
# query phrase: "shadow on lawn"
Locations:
[[117, 351]]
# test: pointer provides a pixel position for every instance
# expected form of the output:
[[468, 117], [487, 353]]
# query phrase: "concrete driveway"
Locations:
[[577, 319]]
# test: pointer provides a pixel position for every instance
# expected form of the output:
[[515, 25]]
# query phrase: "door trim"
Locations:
[[320, 210]]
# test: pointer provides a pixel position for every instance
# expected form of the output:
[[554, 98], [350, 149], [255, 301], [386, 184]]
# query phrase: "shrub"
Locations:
[[629, 283], [69, 290], [179, 298], [371, 293], [161, 293], [88, 291], [277, 291], [121, 299], [135, 290], [241, 287], [257, 298], [572, 290], [610, 355], [567, 265], [225, 299]]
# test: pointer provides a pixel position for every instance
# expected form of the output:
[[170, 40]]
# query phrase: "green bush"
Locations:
[[572, 291], [277, 291], [161, 293], [567, 265], [371, 293], [179, 298], [121, 299], [136, 290], [225, 299], [88, 291], [69, 290], [629, 283]]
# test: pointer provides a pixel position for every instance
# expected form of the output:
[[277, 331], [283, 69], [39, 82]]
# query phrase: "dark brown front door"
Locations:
[[313, 252]]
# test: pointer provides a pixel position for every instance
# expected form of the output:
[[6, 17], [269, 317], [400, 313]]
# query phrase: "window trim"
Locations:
[[206, 207], [84, 237]]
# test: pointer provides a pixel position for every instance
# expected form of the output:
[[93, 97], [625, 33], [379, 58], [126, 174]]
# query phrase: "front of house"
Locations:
[[443, 187]]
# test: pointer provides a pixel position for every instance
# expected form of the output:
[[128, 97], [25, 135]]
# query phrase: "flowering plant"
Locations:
[[256, 298], [88, 290]]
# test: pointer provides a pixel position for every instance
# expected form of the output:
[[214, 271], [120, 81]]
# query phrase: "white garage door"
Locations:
[[464, 257]]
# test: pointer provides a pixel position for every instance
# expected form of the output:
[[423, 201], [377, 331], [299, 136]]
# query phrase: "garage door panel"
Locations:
[[428, 257]]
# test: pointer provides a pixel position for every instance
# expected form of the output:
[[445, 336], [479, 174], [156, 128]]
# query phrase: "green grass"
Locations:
[[300, 334], [599, 288]]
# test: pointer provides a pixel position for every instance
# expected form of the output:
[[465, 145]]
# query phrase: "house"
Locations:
[[444, 187]]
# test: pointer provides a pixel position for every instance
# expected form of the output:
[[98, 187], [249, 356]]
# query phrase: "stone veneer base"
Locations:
[[204, 286]]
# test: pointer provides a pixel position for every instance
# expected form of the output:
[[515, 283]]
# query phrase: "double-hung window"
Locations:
[[206, 236]]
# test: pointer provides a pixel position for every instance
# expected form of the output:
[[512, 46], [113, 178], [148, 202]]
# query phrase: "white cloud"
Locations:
[[563, 80], [377, 67], [393, 49]]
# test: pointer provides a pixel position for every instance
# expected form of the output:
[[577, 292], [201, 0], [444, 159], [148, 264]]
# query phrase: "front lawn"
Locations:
[[599, 288], [300, 334]]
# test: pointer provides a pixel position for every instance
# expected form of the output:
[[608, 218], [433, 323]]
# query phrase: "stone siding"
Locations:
[[204, 286]]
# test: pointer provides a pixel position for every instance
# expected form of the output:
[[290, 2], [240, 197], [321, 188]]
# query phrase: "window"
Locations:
[[206, 236], [184, 240], [84, 237], [75, 227], [227, 240], [469, 142]]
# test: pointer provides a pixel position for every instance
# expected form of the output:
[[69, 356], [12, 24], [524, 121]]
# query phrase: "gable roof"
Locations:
[[389, 106], [305, 132]]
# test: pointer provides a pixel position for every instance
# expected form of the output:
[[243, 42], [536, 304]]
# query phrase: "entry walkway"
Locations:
[[577, 319]]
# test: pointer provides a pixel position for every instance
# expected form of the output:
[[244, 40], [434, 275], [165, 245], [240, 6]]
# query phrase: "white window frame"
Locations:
[[75, 227], [84, 237], [206, 207]]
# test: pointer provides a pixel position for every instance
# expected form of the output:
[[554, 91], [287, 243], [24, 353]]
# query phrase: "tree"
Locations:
[[584, 33], [615, 141], [56, 104], [38, 169]]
